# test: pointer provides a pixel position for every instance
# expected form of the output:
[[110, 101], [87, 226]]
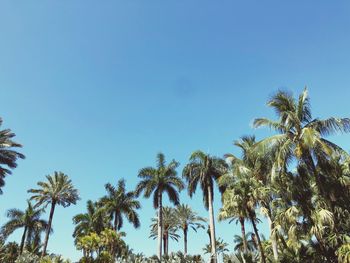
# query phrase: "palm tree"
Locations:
[[186, 219], [58, 190], [205, 170], [158, 180], [252, 165], [219, 244], [94, 220], [169, 227], [235, 211], [8, 156], [119, 202], [245, 193], [239, 242], [300, 135], [9, 252], [29, 220]]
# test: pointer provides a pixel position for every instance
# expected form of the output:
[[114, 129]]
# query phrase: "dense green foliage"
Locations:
[[296, 180]]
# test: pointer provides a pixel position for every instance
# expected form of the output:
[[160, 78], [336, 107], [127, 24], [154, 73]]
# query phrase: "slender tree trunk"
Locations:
[[263, 259], [22, 240], [115, 228], [185, 242], [167, 243], [53, 204], [160, 225], [164, 244], [245, 244], [212, 226]]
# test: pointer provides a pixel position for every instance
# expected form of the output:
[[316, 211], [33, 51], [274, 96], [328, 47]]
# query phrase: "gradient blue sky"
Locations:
[[96, 88]]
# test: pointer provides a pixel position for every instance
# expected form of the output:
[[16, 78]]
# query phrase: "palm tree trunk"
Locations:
[[53, 204], [167, 244], [245, 244], [185, 242], [262, 254], [22, 240], [115, 227], [164, 244], [212, 226], [160, 225]]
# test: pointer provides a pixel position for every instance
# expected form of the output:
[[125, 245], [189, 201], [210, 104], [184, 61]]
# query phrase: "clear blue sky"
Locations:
[[96, 88]]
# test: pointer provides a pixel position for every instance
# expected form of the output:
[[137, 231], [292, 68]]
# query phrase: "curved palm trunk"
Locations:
[[245, 244], [53, 204], [160, 226], [185, 242], [23, 240], [212, 226], [262, 254]]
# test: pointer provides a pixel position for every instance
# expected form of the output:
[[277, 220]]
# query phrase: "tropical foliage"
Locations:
[[296, 182]]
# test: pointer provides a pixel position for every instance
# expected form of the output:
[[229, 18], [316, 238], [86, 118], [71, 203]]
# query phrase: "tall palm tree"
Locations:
[[156, 181], [58, 190], [29, 220], [118, 203], [94, 220], [204, 170], [170, 227], [8, 155], [255, 165], [186, 219]]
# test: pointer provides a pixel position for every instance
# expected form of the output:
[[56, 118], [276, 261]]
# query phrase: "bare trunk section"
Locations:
[[160, 225], [262, 254], [164, 245], [212, 226], [22, 240], [245, 244], [185, 242], [53, 204]]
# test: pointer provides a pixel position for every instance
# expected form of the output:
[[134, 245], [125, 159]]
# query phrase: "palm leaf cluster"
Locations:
[[8, 154], [297, 179]]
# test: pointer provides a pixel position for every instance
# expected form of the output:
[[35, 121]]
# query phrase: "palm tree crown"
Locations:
[[94, 220], [161, 179], [8, 156], [58, 190], [119, 202], [203, 170], [300, 135]]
